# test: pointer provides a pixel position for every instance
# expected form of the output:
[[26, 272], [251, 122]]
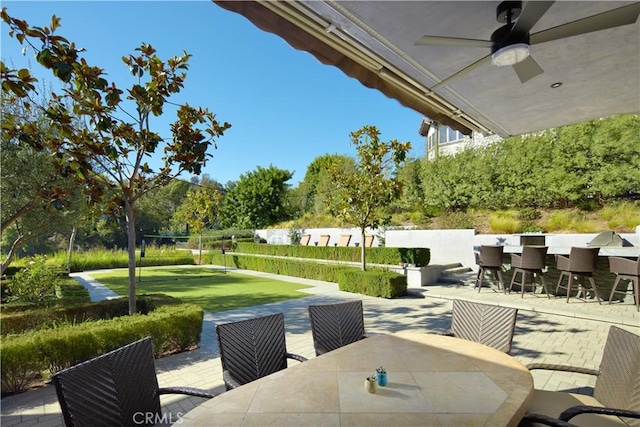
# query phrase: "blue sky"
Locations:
[[285, 107]]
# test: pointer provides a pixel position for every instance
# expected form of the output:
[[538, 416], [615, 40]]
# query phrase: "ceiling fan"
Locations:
[[510, 44]]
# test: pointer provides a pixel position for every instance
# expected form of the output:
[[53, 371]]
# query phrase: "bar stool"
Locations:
[[582, 263], [533, 261], [490, 259], [626, 269]]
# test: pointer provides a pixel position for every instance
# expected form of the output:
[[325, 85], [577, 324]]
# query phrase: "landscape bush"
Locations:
[[375, 255], [25, 356], [375, 283], [29, 318]]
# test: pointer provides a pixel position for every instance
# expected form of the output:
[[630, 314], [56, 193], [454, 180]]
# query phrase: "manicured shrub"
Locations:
[[172, 328], [34, 318], [383, 284], [376, 255]]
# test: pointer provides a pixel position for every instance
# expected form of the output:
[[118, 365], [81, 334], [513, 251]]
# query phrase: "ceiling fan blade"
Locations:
[[530, 16], [614, 18], [462, 72], [451, 41], [527, 69]]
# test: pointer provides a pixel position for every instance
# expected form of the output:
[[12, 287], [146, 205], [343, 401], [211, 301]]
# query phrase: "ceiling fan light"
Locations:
[[510, 54]]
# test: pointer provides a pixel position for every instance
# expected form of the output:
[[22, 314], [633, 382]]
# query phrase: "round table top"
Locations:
[[432, 380]]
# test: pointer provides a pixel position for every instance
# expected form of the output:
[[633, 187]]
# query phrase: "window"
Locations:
[[444, 135]]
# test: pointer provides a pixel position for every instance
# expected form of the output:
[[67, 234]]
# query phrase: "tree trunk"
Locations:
[[362, 251], [12, 251], [200, 248], [72, 239], [131, 248]]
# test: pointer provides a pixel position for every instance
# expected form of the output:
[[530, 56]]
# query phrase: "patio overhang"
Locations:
[[375, 42]]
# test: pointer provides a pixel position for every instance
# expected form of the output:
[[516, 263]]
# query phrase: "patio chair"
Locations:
[[368, 240], [304, 239], [581, 263], [532, 261], [253, 348], [486, 324], [118, 388], [626, 269], [616, 394], [324, 240], [336, 325], [344, 240], [489, 259]]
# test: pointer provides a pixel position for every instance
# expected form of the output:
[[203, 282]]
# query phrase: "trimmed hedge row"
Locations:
[[172, 327], [373, 282], [376, 255], [384, 284], [42, 317]]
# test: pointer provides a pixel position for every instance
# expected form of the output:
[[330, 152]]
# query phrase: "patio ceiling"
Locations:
[[375, 42]]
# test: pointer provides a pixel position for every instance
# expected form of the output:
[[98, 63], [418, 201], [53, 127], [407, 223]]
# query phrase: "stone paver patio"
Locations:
[[550, 331]]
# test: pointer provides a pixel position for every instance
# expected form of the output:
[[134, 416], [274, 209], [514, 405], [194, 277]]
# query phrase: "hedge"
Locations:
[[172, 328], [374, 282], [375, 255], [41, 317], [383, 284]]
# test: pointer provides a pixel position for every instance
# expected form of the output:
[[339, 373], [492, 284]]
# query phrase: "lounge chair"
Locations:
[[304, 239], [324, 240], [344, 240]]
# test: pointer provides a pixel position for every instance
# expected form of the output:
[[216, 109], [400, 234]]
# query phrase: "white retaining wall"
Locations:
[[447, 246]]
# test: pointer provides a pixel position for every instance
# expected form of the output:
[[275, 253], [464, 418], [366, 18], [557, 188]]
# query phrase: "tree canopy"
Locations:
[[102, 135]]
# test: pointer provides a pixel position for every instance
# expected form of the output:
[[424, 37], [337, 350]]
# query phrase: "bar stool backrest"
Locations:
[[490, 256], [534, 257], [583, 260]]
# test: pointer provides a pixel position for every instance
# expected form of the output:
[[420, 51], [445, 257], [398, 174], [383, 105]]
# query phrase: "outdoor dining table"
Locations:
[[433, 380]]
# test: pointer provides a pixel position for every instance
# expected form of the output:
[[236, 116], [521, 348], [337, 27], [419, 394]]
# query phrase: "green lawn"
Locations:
[[213, 290]]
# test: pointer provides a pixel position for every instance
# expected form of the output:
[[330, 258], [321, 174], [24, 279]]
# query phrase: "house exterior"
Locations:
[[442, 140]]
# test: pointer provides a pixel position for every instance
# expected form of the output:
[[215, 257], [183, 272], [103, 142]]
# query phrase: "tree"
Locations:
[[311, 193], [107, 153], [36, 200], [258, 199], [362, 197], [201, 209]]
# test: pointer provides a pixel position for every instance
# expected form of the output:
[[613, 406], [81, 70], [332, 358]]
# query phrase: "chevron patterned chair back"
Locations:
[[253, 348], [118, 388], [336, 325], [483, 323]]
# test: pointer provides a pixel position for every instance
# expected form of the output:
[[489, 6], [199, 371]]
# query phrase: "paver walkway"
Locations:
[[550, 331]]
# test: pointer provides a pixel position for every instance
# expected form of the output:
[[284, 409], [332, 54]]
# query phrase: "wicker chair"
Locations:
[[119, 388], [616, 392], [253, 348], [626, 269], [486, 324], [489, 259], [336, 325], [582, 263], [532, 261]]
